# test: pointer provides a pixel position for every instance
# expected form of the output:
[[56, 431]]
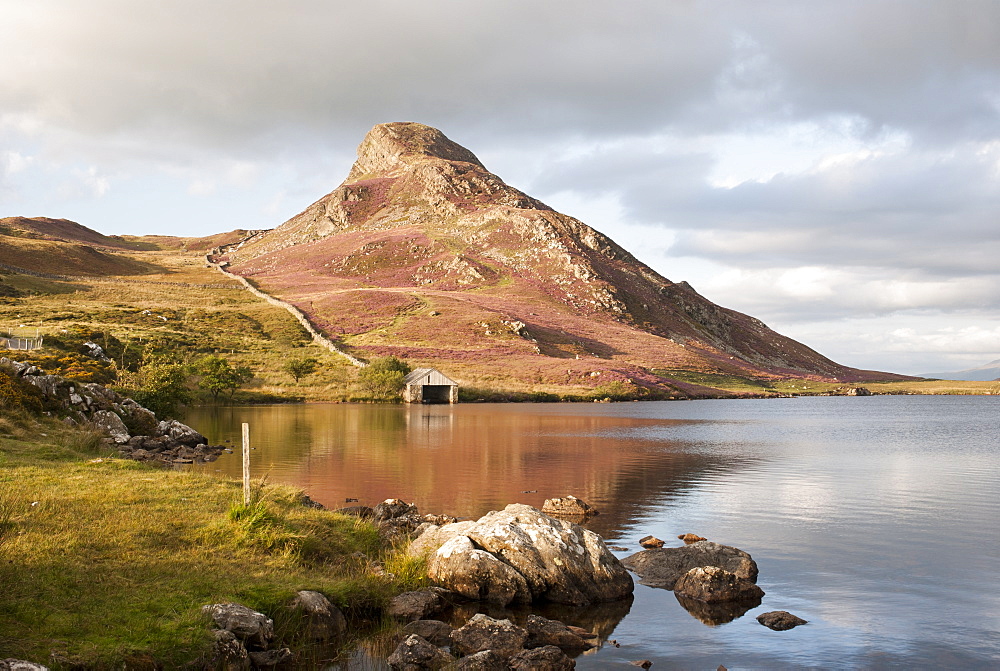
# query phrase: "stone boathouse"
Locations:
[[429, 385]]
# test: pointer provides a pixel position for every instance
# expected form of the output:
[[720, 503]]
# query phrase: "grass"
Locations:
[[103, 559]]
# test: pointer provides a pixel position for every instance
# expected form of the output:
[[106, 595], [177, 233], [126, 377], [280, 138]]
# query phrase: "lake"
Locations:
[[877, 519]]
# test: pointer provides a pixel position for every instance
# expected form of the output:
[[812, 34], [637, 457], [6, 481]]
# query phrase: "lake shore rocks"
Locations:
[[131, 429], [663, 567], [520, 555]]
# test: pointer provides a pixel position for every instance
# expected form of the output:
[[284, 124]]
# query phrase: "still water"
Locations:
[[877, 519]]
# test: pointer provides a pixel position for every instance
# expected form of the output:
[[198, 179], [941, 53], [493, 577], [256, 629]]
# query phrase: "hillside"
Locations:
[[985, 373], [63, 247], [424, 254]]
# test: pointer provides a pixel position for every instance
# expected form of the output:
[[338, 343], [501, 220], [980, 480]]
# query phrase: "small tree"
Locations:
[[382, 379], [161, 386], [217, 376], [300, 367]]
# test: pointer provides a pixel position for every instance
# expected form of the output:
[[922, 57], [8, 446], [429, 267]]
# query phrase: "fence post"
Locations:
[[246, 464]]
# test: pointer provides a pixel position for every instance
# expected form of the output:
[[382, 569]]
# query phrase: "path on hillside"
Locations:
[[317, 337]]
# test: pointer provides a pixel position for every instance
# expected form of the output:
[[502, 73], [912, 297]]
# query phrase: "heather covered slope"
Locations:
[[425, 254]]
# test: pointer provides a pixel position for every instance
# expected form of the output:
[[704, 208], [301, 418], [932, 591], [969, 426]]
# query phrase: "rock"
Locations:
[[617, 548], [691, 538], [112, 425], [247, 625], [567, 506], [364, 512], [521, 555], [542, 632], [418, 605], [268, 658], [416, 654], [548, 658], [11, 664], [322, 619], [434, 631], [181, 433], [477, 574], [228, 653], [712, 584], [435, 536], [642, 663], [393, 508], [780, 620], [487, 660], [650, 542], [661, 567], [483, 632], [858, 391]]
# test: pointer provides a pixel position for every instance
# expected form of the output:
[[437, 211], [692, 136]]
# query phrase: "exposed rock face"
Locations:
[[519, 555], [662, 567], [780, 620], [420, 217], [712, 584]]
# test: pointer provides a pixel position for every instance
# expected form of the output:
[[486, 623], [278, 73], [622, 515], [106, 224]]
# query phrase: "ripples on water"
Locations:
[[875, 518]]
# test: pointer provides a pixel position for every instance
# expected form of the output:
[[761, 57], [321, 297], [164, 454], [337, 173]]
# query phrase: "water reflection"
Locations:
[[465, 460], [714, 614]]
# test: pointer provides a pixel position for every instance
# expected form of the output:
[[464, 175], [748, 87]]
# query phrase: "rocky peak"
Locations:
[[389, 146]]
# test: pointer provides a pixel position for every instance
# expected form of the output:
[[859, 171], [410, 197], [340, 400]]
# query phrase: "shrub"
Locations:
[[300, 367], [160, 386], [217, 376], [382, 379]]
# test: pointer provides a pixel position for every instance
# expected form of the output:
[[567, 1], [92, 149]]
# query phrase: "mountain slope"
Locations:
[[423, 253], [985, 373]]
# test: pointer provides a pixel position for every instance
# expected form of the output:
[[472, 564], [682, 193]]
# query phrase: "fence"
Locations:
[[21, 343]]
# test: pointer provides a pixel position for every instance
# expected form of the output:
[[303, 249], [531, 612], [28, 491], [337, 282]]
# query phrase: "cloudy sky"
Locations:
[[832, 168]]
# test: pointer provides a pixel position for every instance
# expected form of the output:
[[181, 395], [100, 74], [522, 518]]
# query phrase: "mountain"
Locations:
[[985, 373], [424, 254], [60, 230]]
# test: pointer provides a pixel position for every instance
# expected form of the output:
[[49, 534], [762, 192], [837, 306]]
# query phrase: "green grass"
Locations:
[[104, 559], [719, 380]]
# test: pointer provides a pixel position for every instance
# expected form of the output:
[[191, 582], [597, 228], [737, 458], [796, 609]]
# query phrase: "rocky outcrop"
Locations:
[[662, 567], [520, 555], [130, 428]]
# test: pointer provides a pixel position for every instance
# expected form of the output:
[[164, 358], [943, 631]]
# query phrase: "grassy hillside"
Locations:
[[180, 312]]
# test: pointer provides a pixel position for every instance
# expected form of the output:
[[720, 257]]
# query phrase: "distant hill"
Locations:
[[424, 254], [985, 373], [64, 247]]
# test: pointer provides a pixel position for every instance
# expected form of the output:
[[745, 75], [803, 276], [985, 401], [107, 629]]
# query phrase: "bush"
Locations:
[[300, 367], [161, 386], [16, 395], [382, 379]]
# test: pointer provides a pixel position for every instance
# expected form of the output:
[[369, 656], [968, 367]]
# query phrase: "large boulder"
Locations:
[[662, 567], [417, 605], [712, 584], [521, 555], [181, 433]]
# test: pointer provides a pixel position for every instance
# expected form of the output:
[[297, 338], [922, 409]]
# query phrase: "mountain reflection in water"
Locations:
[[463, 460]]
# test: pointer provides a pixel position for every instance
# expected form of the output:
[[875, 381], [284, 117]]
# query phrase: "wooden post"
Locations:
[[246, 464]]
